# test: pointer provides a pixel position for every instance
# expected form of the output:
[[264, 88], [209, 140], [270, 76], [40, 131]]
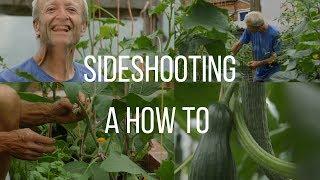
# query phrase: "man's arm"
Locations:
[[244, 39], [255, 64], [270, 60], [236, 48]]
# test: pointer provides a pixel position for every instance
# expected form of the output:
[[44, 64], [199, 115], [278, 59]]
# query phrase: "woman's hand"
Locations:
[[26, 144], [62, 111]]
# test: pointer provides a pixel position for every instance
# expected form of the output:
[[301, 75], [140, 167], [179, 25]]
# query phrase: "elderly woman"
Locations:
[[58, 26], [265, 44]]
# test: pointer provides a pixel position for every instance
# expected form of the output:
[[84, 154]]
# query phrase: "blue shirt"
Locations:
[[32, 68], [264, 44]]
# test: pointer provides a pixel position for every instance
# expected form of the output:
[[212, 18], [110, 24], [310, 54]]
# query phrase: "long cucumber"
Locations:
[[259, 155]]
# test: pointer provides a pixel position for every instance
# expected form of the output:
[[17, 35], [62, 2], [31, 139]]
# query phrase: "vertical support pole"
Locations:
[[255, 5]]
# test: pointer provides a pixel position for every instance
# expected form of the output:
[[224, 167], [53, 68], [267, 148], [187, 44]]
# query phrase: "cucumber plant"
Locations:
[[230, 97]]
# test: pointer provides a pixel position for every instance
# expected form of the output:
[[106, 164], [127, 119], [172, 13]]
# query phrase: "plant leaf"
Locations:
[[72, 91], [166, 170], [121, 163]]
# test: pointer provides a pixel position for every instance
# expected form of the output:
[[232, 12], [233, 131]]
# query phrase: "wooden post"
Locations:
[[255, 5], [150, 23]]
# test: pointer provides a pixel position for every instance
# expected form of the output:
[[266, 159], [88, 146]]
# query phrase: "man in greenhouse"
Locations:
[[25, 143], [265, 46], [58, 26]]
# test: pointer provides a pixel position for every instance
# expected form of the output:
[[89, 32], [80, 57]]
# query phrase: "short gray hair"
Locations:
[[35, 9], [255, 18]]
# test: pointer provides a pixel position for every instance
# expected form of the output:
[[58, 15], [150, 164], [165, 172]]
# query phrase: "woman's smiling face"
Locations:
[[60, 22]]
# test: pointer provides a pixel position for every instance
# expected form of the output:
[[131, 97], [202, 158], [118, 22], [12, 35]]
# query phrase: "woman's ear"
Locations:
[[36, 27]]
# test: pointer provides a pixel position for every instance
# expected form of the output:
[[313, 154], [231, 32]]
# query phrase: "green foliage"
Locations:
[[161, 7], [143, 43], [203, 29], [107, 32], [301, 42], [244, 56], [121, 163], [2, 63], [110, 21], [26, 75], [206, 15], [72, 91], [199, 95], [103, 155], [32, 97], [165, 170], [48, 167], [83, 44], [47, 170]]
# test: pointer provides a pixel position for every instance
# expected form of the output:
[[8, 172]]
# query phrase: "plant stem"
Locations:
[[126, 136], [171, 28], [80, 53], [185, 162], [162, 101], [229, 93], [93, 161], [53, 88], [118, 27], [104, 10], [131, 17], [83, 140], [221, 94], [107, 149], [180, 119], [87, 120]]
